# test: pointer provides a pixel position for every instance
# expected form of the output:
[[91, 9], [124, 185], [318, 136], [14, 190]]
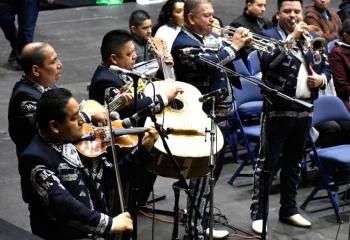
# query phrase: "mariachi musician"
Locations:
[[340, 64], [66, 193], [42, 69], [118, 50], [297, 71], [196, 35]]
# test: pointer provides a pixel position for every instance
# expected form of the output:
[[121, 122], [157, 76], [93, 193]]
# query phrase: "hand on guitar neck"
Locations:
[[165, 60]]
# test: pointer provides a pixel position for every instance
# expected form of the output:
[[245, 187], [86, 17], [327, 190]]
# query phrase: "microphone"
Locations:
[[190, 50], [118, 70], [219, 92], [132, 121]]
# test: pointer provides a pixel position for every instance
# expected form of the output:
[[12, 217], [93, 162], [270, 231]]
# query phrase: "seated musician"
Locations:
[[66, 193], [196, 33], [298, 72], [118, 49], [42, 69]]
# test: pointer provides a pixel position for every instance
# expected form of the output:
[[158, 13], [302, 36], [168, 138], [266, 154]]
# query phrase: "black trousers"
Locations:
[[282, 144]]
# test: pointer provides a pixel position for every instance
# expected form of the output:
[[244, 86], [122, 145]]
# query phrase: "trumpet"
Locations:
[[308, 42], [260, 42]]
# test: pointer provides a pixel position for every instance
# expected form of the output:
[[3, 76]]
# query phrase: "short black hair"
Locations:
[[280, 2], [34, 57], [51, 106], [137, 17], [113, 42]]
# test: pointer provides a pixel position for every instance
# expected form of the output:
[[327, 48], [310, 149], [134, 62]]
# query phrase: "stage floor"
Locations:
[[76, 34]]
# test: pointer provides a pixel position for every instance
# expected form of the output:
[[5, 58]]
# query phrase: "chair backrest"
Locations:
[[328, 108], [330, 45], [254, 62], [248, 93], [240, 67]]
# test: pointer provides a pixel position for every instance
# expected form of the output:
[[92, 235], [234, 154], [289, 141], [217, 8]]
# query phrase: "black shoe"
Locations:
[[12, 57]]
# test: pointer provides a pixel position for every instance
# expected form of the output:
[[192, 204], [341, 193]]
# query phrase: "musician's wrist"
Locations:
[[164, 98]]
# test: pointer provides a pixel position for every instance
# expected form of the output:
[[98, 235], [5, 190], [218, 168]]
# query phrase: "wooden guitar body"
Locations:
[[192, 151]]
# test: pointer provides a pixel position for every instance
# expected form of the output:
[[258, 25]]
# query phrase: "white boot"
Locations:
[[296, 220], [257, 226], [217, 234]]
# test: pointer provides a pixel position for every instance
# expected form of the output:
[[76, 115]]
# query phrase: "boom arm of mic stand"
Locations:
[[266, 89]]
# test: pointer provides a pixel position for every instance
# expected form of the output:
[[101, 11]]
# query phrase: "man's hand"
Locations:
[[122, 223], [127, 97], [172, 92], [314, 80], [299, 29], [241, 38], [169, 60], [151, 136], [99, 118]]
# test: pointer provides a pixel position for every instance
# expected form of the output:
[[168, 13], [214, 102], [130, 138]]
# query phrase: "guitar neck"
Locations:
[[116, 104], [168, 71]]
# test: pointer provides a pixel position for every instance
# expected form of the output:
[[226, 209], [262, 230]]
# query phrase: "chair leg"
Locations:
[[251, 156], [237, 172], [231, 140], [311, 196], [334, 198]]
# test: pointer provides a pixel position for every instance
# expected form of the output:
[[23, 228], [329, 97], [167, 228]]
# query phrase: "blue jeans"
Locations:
[[27, 14]]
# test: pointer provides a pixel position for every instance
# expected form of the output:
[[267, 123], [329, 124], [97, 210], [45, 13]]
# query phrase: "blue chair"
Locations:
[[331, 161], [240, 67], [254, 64], [247, 105], [330, 45], [248, 99]]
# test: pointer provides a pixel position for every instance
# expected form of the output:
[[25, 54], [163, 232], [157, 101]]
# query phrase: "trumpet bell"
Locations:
[[318, 44]]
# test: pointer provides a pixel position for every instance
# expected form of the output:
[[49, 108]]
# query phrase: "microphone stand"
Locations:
[[269, 93], [115, 161], [180, 184], [212, 116]]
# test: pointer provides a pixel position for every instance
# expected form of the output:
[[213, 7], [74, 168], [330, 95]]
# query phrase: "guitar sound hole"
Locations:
[[176, 104]]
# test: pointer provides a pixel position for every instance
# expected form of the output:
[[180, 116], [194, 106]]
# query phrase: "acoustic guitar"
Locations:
[[191, 150]]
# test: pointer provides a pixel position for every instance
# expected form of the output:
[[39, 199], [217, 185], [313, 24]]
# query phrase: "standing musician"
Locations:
[[65, 194], [340, 64], [42, 69], [196, 33], [297, 74]]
